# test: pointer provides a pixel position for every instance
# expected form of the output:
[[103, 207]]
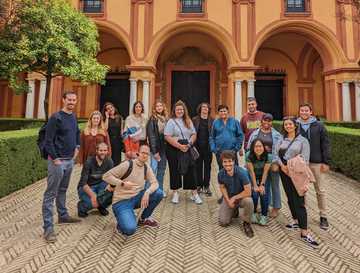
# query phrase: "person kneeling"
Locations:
[[236, 189], [130, 193], [91, 181]]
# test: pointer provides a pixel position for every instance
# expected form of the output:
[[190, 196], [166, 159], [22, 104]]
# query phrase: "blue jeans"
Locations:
[[84, 205], [57, 184], [124, 211], [264, 199], [275, 194], [159, 168]]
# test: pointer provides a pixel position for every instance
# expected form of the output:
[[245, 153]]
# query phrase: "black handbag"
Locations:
[[194, 153]]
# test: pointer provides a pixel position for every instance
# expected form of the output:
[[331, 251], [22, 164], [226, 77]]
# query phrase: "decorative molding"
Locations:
[[340, 24], [148, 25], [342, 70], [190, 56]]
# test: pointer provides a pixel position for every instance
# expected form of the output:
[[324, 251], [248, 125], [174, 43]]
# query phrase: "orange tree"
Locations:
[[49, 37]]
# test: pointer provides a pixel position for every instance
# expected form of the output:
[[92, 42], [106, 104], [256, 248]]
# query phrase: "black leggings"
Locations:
[[295, 201], [189, 179], [203, 166]]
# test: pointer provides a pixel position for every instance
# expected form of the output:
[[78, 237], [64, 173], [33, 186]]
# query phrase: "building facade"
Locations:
[[283, 52]]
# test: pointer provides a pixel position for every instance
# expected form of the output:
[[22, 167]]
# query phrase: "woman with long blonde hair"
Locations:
[[156, 139], [93, 134], [180, 135]]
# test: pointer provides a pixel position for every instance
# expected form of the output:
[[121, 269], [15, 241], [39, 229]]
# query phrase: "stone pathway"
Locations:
[[188, 240]]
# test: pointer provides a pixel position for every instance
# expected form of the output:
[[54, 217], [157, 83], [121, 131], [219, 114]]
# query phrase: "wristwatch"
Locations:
[[148, 191]]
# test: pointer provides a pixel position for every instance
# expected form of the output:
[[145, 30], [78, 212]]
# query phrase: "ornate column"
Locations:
[[238, 99], [41, 112], [30, 100], [346, 101], [357, 100], [133, 93], [251, 88], [146, 96]]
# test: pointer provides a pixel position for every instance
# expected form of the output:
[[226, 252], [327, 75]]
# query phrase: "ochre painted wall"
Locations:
[[263, 14], [164, 13], [325, 12], [138, 23], [221, 13]]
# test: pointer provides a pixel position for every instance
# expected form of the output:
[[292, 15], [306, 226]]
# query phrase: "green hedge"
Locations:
[[9, 124], [345, 149], [353, 125], [20, 161]]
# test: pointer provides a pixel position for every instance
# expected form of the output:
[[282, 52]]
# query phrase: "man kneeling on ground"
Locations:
[[235, 187], [130, 192], [91, 180]]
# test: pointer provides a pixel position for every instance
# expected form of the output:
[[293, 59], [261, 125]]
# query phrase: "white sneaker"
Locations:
[[196, 198], [175, 198]]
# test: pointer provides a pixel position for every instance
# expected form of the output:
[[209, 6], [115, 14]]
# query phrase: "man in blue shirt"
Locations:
[[226, 134], [235, 187], [62, 142]]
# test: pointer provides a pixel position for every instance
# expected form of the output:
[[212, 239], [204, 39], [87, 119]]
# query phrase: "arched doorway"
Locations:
[[117, 87], [191, 67], [290, 74]]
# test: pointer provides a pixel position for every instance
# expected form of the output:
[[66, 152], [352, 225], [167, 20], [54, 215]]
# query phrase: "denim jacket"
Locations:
[[276, 137], [226, 137]]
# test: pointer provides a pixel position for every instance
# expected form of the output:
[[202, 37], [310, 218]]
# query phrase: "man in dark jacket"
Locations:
[[91, 182], [62, 142], [318, 138]]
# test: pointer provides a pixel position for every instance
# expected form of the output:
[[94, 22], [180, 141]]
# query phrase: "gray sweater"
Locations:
[[299, 146]]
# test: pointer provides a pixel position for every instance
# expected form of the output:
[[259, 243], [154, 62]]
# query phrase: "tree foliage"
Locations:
[[49, 37]]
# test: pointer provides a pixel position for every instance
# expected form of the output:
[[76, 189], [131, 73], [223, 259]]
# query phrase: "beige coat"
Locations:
[[300, 174]]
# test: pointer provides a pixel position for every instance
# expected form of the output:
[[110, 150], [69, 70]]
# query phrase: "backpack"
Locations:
[[104, 197], [41, 138]]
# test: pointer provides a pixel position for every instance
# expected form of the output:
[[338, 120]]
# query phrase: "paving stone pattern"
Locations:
[[188, 239]]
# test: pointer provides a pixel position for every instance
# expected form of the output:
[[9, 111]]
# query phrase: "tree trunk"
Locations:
[[47, 95]]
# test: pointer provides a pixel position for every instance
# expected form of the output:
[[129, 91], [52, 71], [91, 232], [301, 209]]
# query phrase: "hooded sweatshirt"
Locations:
[[315, 132]]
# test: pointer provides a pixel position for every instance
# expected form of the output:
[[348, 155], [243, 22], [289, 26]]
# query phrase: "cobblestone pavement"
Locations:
[[188, 239]]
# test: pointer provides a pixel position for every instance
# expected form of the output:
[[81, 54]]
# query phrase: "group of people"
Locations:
[[298, 155]]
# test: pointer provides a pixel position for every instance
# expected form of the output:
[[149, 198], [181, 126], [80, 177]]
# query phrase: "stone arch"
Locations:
[[320, 37], [219, 34], [117, 32]]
